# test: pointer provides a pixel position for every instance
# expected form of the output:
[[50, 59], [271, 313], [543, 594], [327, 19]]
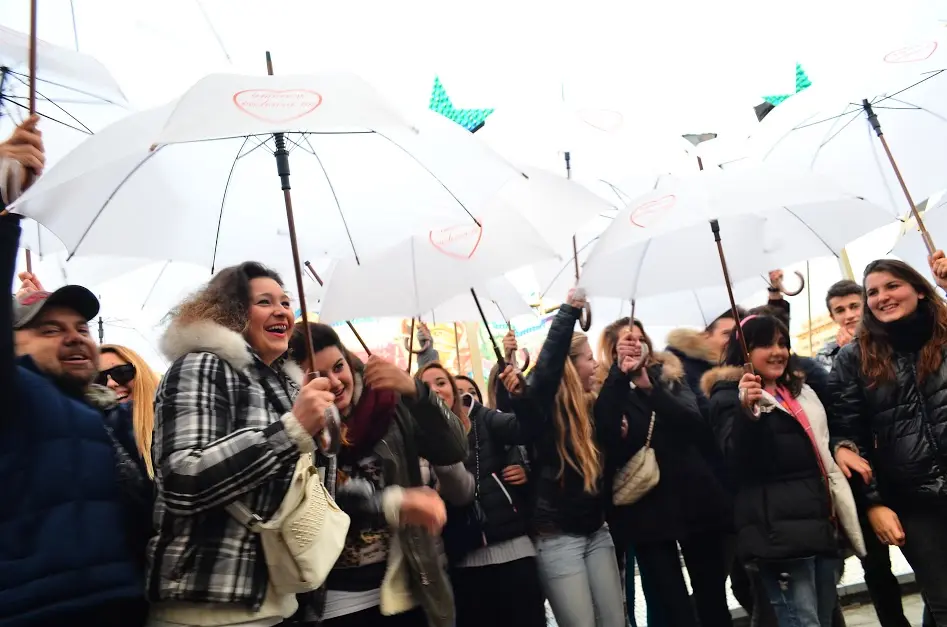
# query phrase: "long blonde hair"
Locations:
[[573, 419], [143, 390]]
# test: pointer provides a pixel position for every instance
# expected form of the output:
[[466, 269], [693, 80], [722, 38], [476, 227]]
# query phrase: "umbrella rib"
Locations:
[[155, 284], [644, 253], [426, 169], [223, 201], [829, 137], [918, 108], [811, 230], [47, 117], [335, 197], [911, 86], [115, 191], [703, 316], [23, 77], [566, 265], [88, 130]]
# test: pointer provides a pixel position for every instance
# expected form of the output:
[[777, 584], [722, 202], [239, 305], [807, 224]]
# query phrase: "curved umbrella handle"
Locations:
[[802, 286], [585, 319], [408, 347]]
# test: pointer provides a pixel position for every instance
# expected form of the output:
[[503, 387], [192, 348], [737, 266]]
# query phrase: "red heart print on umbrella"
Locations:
[[459, 242], [911, 54], [271, 105], [646, 214]]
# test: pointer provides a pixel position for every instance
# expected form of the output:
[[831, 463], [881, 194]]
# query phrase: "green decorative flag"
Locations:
[[471, 119], [802, 83]]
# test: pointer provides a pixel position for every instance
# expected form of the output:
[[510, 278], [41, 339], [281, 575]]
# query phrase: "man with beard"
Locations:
[[67, 551]]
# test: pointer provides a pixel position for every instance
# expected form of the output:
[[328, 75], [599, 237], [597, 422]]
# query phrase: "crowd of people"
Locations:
[[134, 498]]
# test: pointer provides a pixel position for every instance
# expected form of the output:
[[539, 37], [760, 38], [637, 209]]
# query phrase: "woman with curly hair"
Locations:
[[889, 402], [232, 418]]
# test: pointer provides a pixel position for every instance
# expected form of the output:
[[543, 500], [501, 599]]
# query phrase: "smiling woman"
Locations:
[[230, 425], [889, 390], [124, 372]]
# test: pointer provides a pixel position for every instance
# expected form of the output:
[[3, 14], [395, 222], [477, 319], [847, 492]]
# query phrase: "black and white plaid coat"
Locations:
[[223, 432]]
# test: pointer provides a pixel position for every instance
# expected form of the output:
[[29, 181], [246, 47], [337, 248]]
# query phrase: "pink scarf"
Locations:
[[795, 408]]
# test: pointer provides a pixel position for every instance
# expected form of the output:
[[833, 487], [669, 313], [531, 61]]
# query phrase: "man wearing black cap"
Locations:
[[67, 542]]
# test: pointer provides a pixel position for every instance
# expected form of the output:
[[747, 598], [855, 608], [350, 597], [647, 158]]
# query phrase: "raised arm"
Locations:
[[9, 239], [547, 374], [205, 463]]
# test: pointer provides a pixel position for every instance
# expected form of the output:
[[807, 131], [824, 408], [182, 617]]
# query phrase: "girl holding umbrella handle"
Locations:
[[889, 402]]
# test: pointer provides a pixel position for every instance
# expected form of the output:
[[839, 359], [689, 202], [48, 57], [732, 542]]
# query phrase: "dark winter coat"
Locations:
[[783, 508], [502, 504], [689, 498], [561, 503], [900, 427]]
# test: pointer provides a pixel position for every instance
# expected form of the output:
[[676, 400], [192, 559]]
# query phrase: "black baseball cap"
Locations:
[[75, 297]]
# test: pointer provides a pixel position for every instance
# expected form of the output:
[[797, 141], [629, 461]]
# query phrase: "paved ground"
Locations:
[[864, 615], [855, 616]]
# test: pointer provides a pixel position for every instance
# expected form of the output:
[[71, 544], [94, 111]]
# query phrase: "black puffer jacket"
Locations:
[[489, 448], [900, 427], [688, 497], [782, 504], [561, 504]]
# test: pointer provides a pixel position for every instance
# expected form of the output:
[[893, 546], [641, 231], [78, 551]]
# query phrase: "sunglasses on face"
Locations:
[[122, 375]]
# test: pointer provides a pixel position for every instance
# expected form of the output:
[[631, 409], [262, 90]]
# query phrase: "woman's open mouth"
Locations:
[[277, 330]]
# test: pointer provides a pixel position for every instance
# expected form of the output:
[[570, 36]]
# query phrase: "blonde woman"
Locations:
[[575, 551], [124, 372]]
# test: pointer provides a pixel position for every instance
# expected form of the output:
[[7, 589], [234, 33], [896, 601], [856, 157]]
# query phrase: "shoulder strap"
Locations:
[[647, 441]]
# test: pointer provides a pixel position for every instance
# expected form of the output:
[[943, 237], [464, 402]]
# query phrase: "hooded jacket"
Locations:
[[784, 507], [689, 497]]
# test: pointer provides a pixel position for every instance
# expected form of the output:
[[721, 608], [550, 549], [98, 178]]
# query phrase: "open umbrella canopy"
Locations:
[[828, 128], [662, 242], [195, 180]]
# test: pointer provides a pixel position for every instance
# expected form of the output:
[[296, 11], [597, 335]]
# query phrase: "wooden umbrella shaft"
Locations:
[[876, 126], [29, 256], [715, 227], [282, 168]]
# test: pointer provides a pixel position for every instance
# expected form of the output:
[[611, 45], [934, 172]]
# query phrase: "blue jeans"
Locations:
[[581, 580], [802, 591]]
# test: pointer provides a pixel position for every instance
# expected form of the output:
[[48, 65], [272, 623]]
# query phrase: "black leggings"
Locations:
[[500, 594]]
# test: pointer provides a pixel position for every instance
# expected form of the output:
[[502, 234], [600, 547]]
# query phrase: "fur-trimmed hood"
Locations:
[[731, 374], [717, 375], [209, 337], [672, 369], [691, 343], [101, 397]]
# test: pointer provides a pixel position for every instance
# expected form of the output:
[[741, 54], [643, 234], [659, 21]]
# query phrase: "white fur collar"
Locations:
[[210, 337]]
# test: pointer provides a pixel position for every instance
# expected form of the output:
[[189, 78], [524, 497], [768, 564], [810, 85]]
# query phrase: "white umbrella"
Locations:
[[882, 134], [661, 243], [501, 302], [427, 269], [365, 176], [75, 94]]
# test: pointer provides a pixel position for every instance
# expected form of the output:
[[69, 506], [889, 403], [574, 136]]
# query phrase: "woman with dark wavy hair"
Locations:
[[792, 503], [889, 401]]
